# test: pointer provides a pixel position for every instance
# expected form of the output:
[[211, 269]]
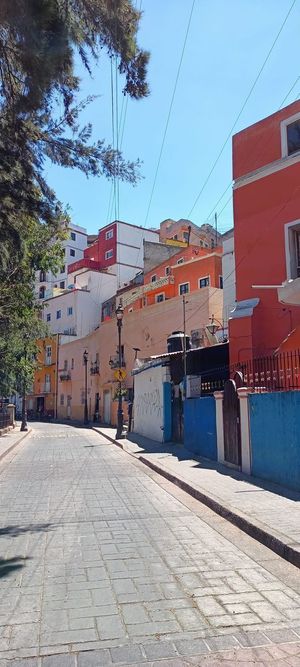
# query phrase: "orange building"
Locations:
[[190, 269], [42, 399], [266, 171]]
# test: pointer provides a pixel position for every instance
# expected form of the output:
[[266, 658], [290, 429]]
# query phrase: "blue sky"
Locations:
[[226, 47]]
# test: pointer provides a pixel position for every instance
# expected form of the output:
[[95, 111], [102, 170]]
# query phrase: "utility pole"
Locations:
[[56, 377], [184, 302], [216, 229]]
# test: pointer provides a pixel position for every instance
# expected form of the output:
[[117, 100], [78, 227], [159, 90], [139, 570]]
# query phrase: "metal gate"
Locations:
[[177, 414], [231, 421]]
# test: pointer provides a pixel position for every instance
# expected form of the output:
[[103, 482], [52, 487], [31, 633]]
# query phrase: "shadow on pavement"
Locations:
[[14, 531], [10, 565]]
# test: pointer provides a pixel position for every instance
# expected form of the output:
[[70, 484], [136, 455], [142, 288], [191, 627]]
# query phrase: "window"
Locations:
[[167, 270], [175, 237], [109, 234], [184, 288], [48, 354], [58, 314], [72, 364], [109, 254], [221, 282], [62, 284], [47, 380], [43, 276], [180, 261], [293, 137], [63, 269], [62, 399], [186, 236], [204, 282], [153, 278], [70, 310], [73, 236], [160, 297], [42, 291], [48, 318], [65, 364], [72, 252]]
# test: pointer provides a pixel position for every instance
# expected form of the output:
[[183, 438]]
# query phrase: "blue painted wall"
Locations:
[[167, 396], [275, 437], [200, 433]]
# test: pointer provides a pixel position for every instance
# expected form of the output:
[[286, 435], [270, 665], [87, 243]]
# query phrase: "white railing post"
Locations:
[[218, 395], [245, 430]]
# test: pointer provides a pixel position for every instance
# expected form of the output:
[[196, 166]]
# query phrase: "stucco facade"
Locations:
[[266, 169]]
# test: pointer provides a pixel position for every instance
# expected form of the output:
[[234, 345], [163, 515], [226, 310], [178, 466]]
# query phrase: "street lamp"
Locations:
[[24, 426], [119, 315], [214, 326], [85, 361]]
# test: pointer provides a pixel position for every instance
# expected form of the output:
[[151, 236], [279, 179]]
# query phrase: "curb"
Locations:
[[240, 521], [15, 444]]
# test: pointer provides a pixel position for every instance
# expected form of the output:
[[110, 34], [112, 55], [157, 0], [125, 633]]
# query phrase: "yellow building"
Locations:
[[42, 399]]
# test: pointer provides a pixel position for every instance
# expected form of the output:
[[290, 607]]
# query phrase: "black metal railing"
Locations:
[[278, 372], [4, 420]]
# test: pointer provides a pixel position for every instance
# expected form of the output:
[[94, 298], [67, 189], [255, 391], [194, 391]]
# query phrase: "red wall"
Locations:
[[261, 210], [99, 248], [260, 144]]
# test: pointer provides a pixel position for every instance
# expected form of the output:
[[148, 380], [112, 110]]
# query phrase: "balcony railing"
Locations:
[[64, 375], [114, 362], [94, 369], [139, 292]]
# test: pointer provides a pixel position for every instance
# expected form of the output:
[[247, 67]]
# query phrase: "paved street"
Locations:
[[103, 562]]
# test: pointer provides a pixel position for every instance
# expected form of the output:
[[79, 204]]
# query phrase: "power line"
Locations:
[[262, 147], [242, 108], [169, 112]]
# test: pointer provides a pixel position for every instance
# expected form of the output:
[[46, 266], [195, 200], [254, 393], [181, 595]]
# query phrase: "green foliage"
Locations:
[[39, 42]]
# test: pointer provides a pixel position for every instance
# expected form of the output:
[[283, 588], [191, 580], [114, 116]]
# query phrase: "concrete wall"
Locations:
[[228, 270], [149, 393], [156, 253], [200, 435], [275, 437]]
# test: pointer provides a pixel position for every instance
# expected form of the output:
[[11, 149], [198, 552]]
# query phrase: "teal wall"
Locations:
[[200, 433], [275, 437], [167, 395]]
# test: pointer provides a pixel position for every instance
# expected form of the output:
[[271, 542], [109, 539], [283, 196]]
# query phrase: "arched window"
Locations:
[[42, 276]]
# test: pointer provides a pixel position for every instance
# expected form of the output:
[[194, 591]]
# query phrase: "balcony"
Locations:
[[64, 375], [139, 292], [114, 362], [94, 369], [84, 263]]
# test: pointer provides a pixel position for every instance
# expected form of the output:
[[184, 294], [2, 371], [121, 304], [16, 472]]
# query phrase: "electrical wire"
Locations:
[[169, 113], [242, 108]]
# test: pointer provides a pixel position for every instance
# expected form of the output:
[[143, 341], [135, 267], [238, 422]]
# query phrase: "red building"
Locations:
[[119, 248], [266, 172]]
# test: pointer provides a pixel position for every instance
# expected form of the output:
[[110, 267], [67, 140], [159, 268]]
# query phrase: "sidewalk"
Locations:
[[10, 440], [268, 512]]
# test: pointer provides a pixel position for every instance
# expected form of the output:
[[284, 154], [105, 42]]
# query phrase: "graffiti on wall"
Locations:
[[149, 404]]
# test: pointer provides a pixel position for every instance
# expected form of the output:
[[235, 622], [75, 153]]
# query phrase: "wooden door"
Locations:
[[232, 427]]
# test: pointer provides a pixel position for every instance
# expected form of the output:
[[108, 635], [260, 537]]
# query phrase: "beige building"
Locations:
[[146, 329]]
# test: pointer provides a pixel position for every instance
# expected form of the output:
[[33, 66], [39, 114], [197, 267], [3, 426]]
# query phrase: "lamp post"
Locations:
[[24, 426], [85, 361], [119, 315], [214, 326]]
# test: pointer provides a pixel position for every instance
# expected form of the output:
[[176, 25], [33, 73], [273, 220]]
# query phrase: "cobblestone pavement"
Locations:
[[105, 563]]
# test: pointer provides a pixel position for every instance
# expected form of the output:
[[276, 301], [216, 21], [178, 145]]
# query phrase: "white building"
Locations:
[[228, 270], [74, 247]]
